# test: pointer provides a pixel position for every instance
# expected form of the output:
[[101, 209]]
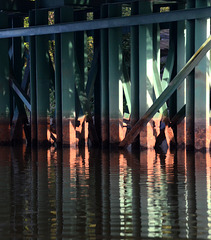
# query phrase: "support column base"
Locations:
[[68, 132]]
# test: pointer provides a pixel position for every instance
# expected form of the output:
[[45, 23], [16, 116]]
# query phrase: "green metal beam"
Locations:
[[134, 66], [158, 88], [115, 79], [173, 85], [104, 80], [58, 92], [201, 88], [33, 91], [114, 22], [21, 94], [126, 84], [190, 48], [5, 106]]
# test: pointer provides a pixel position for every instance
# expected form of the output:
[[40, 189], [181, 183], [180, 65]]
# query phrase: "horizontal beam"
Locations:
[[172, 16], [173, 85]]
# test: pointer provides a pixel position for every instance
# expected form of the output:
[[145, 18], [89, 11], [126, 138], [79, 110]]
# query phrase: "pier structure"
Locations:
[[105, 72]]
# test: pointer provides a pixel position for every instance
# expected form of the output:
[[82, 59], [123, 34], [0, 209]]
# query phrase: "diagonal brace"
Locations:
[[173, 85]]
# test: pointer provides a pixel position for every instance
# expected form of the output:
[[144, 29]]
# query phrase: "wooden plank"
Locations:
[[173, 85]]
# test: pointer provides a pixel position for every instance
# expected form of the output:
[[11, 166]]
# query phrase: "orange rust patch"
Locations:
[[82, 131], [43, 131], [149, 133], [69, 132], [117, 133], [4, 132]]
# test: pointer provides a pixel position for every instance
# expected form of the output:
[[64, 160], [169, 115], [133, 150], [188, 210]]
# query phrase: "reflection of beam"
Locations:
[[173, 85], [171, 16], [21, 94]]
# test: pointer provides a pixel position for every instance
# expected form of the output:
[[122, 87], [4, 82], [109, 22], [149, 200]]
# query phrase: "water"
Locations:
[[93, 194]]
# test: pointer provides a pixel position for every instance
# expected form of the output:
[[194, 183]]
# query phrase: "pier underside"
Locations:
[[105, 73]]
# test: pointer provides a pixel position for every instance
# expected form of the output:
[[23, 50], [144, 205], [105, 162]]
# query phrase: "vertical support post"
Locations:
[[33, 90], [97, 84], [104, 81], [81, 72], [4, 89], [190, 81], [116, 133], [134, 70], [146, 77], [42, 81], [68, 81], [58, 93], [202, 85], [17, 65], [181, 127]]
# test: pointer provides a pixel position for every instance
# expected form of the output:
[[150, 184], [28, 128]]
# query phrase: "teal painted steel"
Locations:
[[134, 68], [146, 77], [20, 92], [4, 78], [173, 85], [42, 80], [190, 47], [104, 101], [58, 91], [67, 67], [181, 91], [172, 16], [33, 90], [202, 87], [115, 78], [42, 67]]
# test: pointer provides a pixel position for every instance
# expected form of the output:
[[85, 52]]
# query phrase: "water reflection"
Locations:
[[93, 194]]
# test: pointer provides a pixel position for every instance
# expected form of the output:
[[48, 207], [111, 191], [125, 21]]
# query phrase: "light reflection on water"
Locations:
[[93, 194]]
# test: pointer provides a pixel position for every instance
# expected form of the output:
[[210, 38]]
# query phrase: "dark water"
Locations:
[[72, 194]]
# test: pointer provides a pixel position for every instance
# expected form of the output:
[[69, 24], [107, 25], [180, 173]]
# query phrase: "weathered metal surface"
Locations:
[[134, 66], [104, 80], [115, 80], [42, 81], [20, 92], [173, 85], [146, 75], [4, 86], [190, 33], [201, 87], [58, 92], [164, 17], [68, 81]]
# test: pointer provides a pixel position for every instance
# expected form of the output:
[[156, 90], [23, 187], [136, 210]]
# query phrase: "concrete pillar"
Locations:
[[68, 81], [4, 87], [116, 133], [42, 81]]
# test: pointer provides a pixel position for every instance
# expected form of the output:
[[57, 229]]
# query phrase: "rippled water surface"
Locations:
[[93, 194]]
